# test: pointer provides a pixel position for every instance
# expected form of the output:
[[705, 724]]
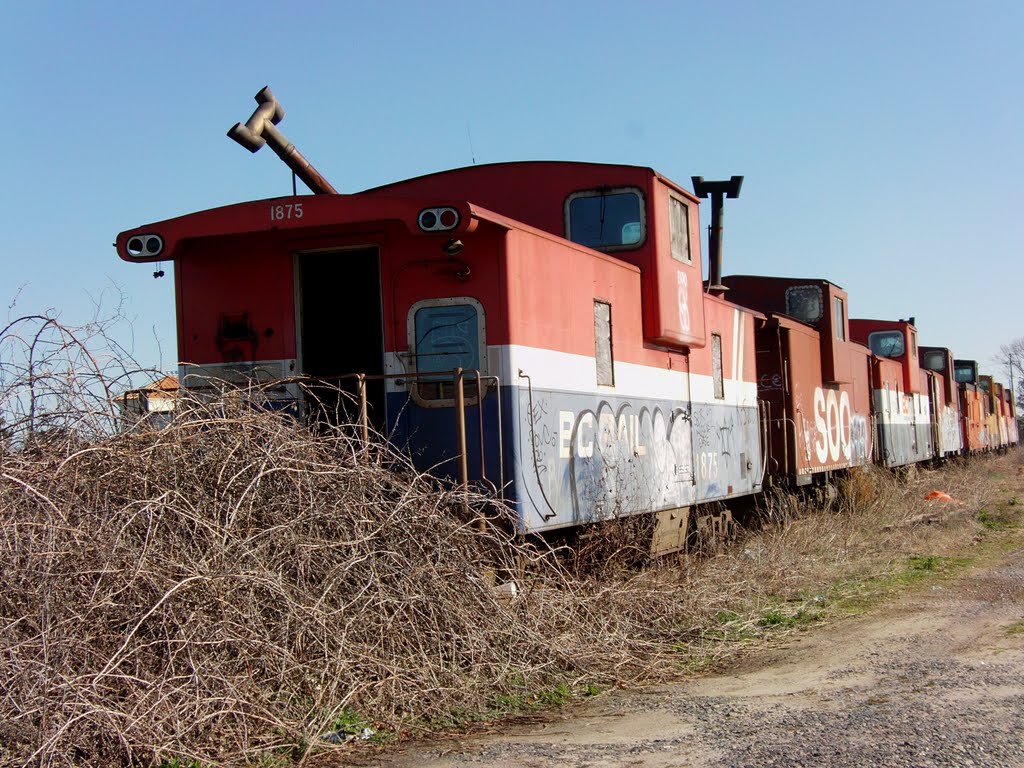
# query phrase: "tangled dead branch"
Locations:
[[59, 381], [232, 585], [231, 588]]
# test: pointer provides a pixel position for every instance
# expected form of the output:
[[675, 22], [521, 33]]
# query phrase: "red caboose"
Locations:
[[948, 435], [571, 293], [973, 406], [900, 397], [812, 378]]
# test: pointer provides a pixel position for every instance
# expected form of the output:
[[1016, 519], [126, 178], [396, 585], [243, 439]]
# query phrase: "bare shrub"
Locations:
[[59, 383], [612, 547], [233, 585], [230, 588]]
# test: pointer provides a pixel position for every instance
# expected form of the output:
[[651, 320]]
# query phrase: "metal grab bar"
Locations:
[[458, 379], [458, 375]]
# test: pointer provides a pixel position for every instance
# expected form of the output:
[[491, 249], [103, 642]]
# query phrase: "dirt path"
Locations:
[[935, 678]]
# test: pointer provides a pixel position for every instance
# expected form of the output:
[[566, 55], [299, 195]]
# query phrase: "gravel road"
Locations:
[[935, 678]]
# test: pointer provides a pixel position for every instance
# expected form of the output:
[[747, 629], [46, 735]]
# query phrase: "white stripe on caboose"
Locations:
[[565, 372]]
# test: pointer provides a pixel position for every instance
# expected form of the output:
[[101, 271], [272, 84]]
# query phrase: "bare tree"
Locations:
[[60, 381], [1011, 360]]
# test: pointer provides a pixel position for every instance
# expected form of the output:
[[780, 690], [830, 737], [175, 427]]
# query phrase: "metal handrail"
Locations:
[[458, 376]]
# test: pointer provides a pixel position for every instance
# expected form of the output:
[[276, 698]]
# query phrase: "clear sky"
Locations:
[[882, 142]]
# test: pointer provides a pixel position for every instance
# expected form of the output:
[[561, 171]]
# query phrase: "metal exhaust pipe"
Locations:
[[717, 191], [260, 129]]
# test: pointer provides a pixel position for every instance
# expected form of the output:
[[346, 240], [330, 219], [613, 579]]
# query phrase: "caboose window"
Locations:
[[444, 334], [607, 220], [804, 303], [964, 374], [887, 343], [679, 227], [840, 318], [934, 361]]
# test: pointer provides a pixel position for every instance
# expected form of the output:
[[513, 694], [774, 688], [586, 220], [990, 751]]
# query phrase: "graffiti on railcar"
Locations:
[[622, 457], [949, 430], [859, 439], [618, 460]]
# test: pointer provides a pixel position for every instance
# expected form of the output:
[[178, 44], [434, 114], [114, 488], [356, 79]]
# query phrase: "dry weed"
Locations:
[[229, 589], [231, 585]]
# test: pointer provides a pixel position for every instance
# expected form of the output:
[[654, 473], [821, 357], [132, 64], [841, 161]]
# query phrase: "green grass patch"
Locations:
[[998, 520], [351, 723], [781, 619], [1017, 628], [557, 696], [856, 596]]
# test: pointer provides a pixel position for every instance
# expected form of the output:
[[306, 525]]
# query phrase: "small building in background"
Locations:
[[154, 403]]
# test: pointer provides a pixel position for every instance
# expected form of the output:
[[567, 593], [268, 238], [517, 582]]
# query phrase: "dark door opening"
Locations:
[[341, 332]]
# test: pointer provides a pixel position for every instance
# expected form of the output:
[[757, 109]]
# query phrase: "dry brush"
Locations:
[[228, 589]]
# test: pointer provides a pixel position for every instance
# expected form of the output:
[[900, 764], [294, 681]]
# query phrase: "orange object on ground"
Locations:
[[938, 496]]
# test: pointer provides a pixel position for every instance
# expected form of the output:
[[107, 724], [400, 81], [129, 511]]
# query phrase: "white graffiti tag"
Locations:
[[832, 421], [684, 302]]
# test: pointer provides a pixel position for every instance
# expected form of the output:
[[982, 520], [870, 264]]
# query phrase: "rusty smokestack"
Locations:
[[717, 191], [260, 129]]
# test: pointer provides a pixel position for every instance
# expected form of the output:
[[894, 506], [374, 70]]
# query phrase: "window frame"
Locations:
[[839, 313], [610, 343], [931, 355], [582, 193], [717, 371], [898, 334], [795, 289], [413, 366], [672, 198]]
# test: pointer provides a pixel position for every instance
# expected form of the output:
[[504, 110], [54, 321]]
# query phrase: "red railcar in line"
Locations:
[[612, 383], [812, 379], [561, 312], [949, 435]]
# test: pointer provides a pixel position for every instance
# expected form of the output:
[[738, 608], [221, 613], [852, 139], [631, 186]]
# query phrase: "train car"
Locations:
[[901, 404], [998, 407], [973, 406], [994, 440], [947, 431], [1010, 415], [812, 378], [544, 330], [561, 303]]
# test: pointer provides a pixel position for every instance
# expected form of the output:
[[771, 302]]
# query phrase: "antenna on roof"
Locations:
[[472, 154]]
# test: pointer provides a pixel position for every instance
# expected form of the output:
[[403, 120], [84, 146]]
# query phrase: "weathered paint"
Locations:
[[580, 459], [813, 381], [677, 423]]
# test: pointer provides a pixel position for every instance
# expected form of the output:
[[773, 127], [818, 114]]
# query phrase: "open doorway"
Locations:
[[341, 332]]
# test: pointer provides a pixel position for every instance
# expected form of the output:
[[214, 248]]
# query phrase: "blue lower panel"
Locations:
[[571, 458], [428, 435]]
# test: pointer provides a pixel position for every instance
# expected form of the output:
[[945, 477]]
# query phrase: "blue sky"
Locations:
[[881, 142]]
